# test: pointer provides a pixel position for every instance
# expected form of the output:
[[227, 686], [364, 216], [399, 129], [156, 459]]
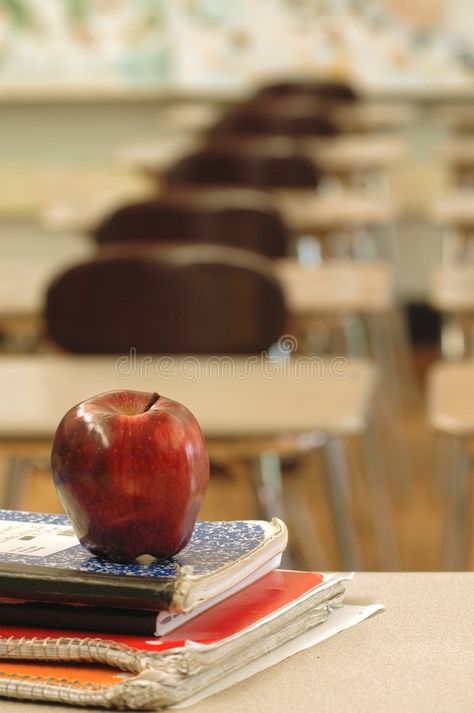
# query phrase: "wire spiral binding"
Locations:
[[87, 650]]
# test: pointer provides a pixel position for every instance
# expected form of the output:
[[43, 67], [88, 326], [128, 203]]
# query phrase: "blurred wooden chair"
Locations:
[[294, 115], [183, 299], [294, 180], [334, 107], [266, 167], [451, 416], [278, 168], [333, 90], [273, 165], [235, 217]]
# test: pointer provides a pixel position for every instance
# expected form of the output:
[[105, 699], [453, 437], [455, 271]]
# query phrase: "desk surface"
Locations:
[[303, 209], [452, 288], [308, 210], [231, 398], [416, 656], [336, 286], [454, 210], [450, 398]]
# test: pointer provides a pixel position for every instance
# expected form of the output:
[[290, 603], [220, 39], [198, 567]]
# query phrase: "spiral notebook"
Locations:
[[138, 673]]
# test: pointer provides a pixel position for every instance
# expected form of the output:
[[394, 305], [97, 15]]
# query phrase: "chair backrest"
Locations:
[[186, 299], [234, 217], [331, 90], [293, 115], [252, 167]]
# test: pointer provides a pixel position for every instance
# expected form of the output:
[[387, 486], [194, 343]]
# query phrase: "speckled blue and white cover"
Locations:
[[217, 550]]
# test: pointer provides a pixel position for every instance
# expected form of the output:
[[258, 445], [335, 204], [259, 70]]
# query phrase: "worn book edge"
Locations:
[[192, 590]]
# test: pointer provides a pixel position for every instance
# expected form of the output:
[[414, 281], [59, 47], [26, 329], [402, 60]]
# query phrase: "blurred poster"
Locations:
[[82, 41]]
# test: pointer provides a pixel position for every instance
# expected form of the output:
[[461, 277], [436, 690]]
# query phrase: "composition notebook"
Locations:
[[41, 560], [135, 672]]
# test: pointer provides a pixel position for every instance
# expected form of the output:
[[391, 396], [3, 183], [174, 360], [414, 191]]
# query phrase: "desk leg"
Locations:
[[398, 333], [382, 349], [18, 467], [267, 478], [389, 432], [381, 510], [268, 484], [341, 502], [457, 529]]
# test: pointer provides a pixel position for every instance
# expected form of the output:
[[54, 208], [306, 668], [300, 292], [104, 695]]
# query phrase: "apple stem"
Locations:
[[151, 401]]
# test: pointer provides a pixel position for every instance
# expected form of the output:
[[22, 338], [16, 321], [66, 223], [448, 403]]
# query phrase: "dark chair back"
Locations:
[[187, 299], [236, 218], [331, 90], [252, 167], [295, 115]]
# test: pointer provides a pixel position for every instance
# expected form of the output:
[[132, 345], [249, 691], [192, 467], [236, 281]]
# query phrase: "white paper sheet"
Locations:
[[341, 618]]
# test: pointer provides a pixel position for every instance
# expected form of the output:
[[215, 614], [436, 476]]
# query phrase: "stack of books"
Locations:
[[77, 629]]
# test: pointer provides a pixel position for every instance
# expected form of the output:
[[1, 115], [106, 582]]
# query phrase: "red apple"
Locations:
[[131, 470]]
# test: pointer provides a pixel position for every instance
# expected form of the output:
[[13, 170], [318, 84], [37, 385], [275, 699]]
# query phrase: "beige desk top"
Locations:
[[375, 117], [337, 285], [356, 153], [307, 210], [231, 398], [451, 396], [303, 209], [452, 288], [415, 657], [454, 210]]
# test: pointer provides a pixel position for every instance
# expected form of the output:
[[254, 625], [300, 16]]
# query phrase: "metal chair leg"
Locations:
[[457, 526], [341, 502], [355, 338]]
